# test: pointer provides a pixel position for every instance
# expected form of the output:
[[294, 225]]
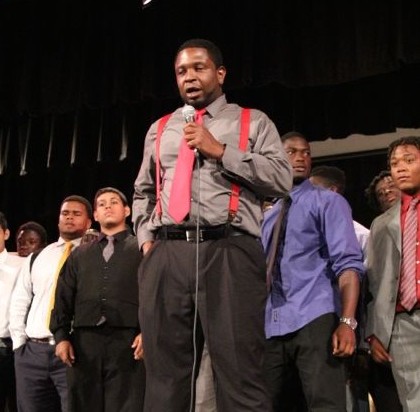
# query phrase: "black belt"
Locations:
[[204, 233], [45, 341], [6, 343]]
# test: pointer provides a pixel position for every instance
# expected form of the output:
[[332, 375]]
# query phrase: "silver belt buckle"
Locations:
[[192, 235]]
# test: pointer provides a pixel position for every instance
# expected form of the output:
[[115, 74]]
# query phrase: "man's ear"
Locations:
[[221, 74], [6, 234]]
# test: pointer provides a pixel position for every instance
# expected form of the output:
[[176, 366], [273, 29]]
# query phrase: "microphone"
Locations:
[[189, 116], [189, 113]]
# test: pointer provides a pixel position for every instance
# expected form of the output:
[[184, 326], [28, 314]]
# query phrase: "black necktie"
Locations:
[[277, 241]]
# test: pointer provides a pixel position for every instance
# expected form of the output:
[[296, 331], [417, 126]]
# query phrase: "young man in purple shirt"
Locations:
[[310, 325]]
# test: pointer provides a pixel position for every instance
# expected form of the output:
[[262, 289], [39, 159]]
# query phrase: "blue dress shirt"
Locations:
[[320, 243]]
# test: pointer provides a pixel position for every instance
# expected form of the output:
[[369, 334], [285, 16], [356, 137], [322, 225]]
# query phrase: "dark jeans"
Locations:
[[303, 360]]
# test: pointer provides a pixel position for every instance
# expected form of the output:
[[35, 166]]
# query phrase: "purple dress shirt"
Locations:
[[320, 243]]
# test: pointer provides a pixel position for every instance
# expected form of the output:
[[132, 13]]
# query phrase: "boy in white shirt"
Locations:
[[9, 268]]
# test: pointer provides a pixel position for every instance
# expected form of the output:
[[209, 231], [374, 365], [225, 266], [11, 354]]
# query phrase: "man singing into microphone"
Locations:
[[197, 220]]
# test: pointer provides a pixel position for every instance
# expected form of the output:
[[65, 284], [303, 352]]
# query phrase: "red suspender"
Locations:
[[161, 125], [243, 143]]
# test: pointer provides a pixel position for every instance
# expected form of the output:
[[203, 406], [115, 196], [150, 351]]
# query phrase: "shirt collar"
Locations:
[[61, 242], [216, 106], [406, 200], [301, 187], [117, 236]]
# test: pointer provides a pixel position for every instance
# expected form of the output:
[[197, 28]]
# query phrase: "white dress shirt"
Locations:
[[33, 292], [9, 270], [362, 234]]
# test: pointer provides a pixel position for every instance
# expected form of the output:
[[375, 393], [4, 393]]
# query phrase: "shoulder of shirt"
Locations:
[[129, 237], [45, 253], [85, 247], [132, 241], [326, 193], [256, 114], [177, 115], [222, 107], [14, 259], [59, 243], [50, 246], [316, 196]]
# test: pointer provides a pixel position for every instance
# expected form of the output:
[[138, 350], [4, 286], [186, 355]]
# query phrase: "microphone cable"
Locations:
[[197, 256]]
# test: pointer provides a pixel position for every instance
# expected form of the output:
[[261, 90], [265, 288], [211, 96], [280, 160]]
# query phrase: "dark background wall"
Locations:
[[81, 81]]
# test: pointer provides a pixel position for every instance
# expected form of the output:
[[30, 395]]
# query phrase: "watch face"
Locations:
[[350, 322]]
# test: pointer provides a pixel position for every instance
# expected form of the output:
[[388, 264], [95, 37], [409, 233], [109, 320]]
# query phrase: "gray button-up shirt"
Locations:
[[263, 170]]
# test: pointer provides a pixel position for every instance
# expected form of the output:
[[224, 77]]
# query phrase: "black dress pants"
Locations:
[[383, 389], [41, 383], [230, 302], [7, 380], [105, 376]]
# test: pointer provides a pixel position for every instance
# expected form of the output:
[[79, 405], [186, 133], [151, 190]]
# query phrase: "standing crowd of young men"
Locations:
[[119, 323]]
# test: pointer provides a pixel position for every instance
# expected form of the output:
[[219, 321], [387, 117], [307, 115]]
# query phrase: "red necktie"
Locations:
[[180, 197], [408, 288]]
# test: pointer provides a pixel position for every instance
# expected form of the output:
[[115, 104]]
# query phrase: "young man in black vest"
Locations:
[[97, 297]]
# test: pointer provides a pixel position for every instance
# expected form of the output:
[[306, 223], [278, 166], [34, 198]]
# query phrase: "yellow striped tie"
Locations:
[[66, 252]]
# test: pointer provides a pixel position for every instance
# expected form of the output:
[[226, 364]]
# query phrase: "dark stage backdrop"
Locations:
[[81, 81]]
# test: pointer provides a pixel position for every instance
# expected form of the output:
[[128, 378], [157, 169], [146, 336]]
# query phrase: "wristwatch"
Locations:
[[351, 322]]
